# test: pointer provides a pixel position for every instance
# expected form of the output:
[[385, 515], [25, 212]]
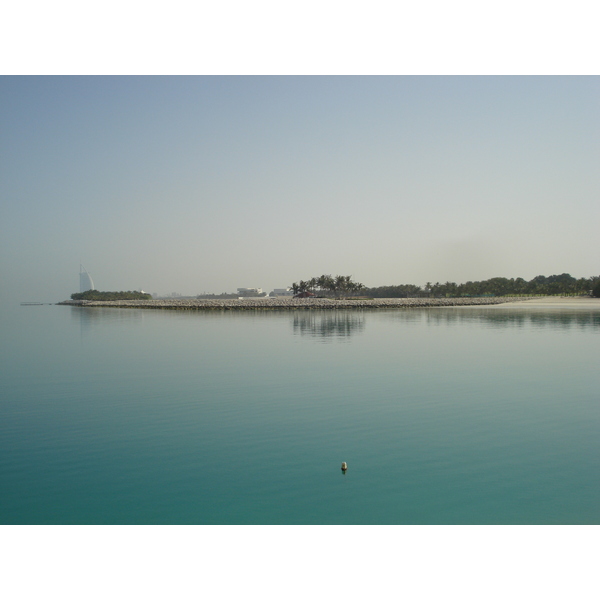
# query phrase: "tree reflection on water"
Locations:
[[328, 325], [499, 318]]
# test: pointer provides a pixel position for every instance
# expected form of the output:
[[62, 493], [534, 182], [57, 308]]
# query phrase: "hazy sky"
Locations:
[[194, 184]]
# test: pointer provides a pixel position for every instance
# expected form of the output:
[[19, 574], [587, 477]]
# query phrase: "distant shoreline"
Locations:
[[291, 304]]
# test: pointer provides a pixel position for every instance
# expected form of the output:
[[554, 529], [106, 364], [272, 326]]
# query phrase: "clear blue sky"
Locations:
[[194, 184]]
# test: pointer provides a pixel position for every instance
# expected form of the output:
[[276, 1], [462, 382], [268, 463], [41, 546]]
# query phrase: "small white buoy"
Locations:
[[344, 467]]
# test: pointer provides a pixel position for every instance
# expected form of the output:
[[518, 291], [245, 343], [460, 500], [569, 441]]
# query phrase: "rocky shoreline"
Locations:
[[294, 303]]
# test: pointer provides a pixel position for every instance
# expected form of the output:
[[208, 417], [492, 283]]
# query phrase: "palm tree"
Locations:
[[324, 282], [335, 285]]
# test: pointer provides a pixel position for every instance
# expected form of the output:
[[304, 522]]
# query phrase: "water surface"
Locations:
[[444, 416]]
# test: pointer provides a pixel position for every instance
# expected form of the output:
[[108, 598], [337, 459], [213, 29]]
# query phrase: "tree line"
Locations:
[[96, 295], [343, 285], [563, 284]]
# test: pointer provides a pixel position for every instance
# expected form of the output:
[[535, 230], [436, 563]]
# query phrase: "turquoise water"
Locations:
[[444, 416]]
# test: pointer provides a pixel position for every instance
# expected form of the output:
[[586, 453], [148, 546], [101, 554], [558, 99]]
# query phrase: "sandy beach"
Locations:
[[557, 302]]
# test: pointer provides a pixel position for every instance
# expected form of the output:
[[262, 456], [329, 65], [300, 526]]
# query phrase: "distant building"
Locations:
[[242, 291], [281, 292], [85, 280]]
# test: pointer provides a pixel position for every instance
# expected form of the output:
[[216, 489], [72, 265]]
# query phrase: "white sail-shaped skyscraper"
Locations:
[[85, 280]]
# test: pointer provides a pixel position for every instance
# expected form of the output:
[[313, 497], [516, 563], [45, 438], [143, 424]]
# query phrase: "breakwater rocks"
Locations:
[[293, 303]]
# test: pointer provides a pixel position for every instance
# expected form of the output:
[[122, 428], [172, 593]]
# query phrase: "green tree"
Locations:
[[340, 284], [96, 295]]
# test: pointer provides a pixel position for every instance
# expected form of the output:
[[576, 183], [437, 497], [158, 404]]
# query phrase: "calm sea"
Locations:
[[444, 416]]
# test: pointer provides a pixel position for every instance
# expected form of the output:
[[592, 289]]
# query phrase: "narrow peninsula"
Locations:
[[294, 303]]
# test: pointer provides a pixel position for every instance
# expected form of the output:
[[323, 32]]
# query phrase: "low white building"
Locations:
[[281, 292]]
